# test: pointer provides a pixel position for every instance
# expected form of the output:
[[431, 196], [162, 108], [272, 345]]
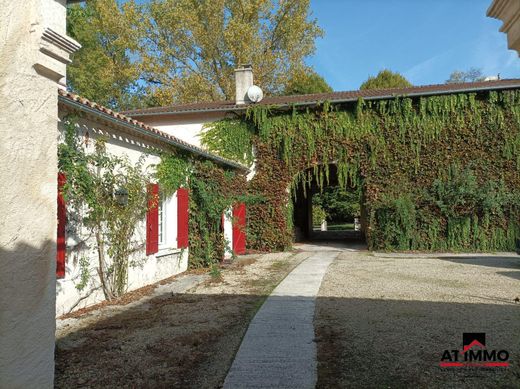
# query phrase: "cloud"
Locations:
[[428, 69]]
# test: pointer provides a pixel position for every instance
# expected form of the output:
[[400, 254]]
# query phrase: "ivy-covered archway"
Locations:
[[437, 173]]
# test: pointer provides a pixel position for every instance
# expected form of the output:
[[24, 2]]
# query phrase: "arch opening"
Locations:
[[327, 207]]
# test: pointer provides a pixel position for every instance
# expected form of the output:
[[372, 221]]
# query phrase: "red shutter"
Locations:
[[182, 218], [239, 228], [60, 236], [152, 220]]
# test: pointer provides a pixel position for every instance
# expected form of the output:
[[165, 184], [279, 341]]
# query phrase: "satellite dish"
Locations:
[[255, 94]]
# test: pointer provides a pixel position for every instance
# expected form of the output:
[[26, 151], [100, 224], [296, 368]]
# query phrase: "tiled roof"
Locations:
[[333, 97], [81, 103]]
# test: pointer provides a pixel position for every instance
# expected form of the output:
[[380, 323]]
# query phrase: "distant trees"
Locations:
[[386, 79], [339, 204], [471, 75], [305, 82]]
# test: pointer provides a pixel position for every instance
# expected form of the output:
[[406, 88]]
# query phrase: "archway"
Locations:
[[325, 210]]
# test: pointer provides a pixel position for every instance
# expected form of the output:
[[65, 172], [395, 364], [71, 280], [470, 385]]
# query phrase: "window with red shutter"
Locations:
[[182, 218], [60, 236], [152, 220], [239, 228]]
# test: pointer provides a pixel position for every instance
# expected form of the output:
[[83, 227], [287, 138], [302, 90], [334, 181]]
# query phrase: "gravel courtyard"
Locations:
[[166, 339], [384, 320]]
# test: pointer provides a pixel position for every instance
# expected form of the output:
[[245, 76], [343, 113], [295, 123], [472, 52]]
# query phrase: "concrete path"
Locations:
[[278, 350]]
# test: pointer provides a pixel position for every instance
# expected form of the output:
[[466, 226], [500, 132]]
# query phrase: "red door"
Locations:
[[183, 215], [62, 221], [152, 220], [239, 228]]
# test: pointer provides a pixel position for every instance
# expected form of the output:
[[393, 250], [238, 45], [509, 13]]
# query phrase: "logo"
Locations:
[[474, 353]]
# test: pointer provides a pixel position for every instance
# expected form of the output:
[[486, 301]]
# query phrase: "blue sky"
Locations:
[[425, 40]]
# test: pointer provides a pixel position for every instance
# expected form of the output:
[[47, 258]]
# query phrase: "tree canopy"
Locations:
[[306, 81], [386, 79], [103, 69], [176, 51], [471, 75]]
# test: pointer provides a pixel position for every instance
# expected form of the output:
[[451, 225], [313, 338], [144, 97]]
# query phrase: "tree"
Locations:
[[472, 75], [187, 50], [385, 79], [306, 81], [339, 204], [102, 70]]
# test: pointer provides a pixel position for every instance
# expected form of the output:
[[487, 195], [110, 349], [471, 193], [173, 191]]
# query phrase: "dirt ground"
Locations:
[[183, 340], [385, 321]]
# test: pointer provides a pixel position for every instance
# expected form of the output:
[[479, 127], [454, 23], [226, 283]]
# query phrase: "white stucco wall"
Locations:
[[228, 233], [144, 270], [28, 129], [186, 127]]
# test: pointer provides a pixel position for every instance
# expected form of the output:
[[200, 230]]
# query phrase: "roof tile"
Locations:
[[312, 99]]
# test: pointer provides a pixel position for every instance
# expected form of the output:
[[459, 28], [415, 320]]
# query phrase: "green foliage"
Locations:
[[215, 272], [213, 191], [305, 82], [102, 70], [230, 138], [318, 214], [435, 173], [395, 218], [340, 204], [185, 50], [472, 75], [92, 181], [172, 172], [385, 79]]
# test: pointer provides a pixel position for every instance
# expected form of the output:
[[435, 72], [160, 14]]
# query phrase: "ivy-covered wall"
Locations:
[[437, 173]]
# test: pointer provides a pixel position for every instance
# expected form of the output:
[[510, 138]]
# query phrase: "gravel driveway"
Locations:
[[385, 320]]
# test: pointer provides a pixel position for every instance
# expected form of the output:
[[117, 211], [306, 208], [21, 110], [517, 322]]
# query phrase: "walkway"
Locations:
[[278, 350]]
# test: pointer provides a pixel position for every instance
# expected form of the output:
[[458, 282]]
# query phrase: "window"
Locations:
[[167, 219], [162, 225]]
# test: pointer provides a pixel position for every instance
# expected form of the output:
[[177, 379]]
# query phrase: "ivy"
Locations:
[[436, 173], [92, 180], [213, 191]]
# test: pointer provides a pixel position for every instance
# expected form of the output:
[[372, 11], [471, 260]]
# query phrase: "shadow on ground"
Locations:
[[508, 262], [190, 340], [399, 344]]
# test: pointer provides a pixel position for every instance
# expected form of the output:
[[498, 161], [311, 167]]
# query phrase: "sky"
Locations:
[[425, 40]]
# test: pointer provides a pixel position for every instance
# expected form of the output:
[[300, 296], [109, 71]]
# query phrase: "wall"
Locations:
[[509, 12], [186, 126], [228, 233], [30, 68], [145, 269]]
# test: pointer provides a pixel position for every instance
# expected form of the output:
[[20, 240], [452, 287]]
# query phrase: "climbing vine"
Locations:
[[93, 181], [436, 173], [213, 191]]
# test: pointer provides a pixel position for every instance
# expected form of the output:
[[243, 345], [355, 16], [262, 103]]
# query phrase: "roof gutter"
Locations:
[[336, 101], [148, 134]]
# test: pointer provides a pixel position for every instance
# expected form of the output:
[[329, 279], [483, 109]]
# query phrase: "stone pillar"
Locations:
[[34, 51]]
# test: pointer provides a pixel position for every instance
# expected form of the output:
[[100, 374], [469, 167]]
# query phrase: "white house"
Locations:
[[165, 230]]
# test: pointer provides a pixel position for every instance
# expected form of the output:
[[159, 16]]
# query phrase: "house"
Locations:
[[188, 121], [165, 230], [509, 12]]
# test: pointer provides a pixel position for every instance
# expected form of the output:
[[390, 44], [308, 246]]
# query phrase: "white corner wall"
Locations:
[[29, 79]]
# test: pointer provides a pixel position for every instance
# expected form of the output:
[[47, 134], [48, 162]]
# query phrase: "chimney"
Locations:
[[243, 80]]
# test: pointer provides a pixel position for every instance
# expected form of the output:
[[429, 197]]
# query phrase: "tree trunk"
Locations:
[[101, 268]]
